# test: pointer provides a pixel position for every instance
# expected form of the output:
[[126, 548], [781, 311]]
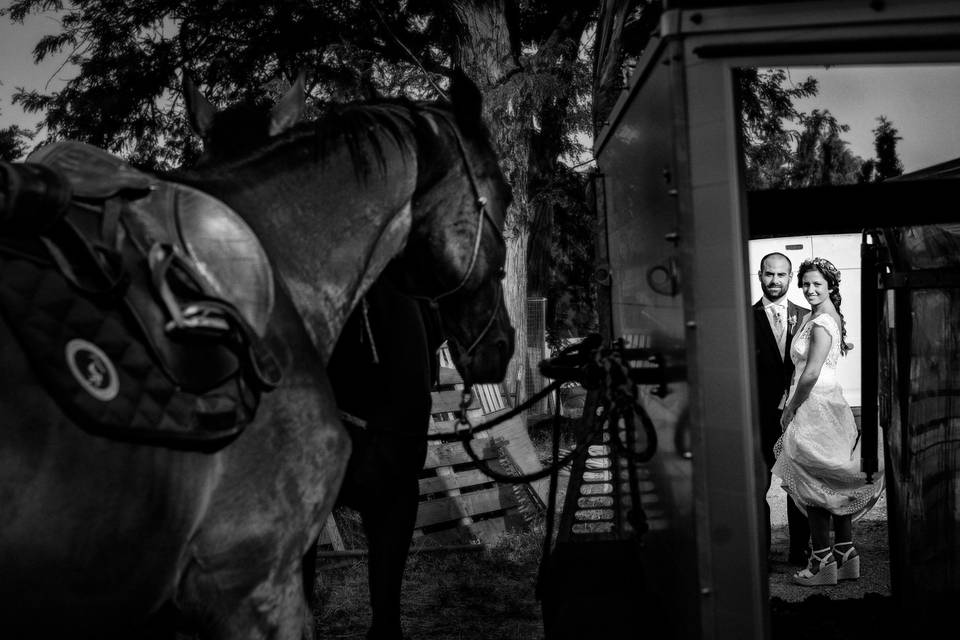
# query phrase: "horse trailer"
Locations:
[[676, 220]]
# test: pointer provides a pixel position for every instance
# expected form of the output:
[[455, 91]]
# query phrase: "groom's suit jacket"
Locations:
[[773, 372]]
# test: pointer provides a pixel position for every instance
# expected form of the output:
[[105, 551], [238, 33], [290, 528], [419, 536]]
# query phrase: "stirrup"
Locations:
[[848, 562], [826, 573]]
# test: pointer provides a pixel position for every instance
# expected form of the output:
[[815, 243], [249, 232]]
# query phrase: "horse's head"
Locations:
[[455, 252], [243, 127], [459, 208]]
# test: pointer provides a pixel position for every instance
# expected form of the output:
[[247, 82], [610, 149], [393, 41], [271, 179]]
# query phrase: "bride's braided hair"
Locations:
[[832, 275]]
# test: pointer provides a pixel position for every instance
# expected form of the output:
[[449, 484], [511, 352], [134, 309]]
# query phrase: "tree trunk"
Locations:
[[488, 51], [515, 297]]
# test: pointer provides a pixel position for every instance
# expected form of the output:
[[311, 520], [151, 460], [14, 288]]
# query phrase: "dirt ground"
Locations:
[[851, 610], [489, 594]]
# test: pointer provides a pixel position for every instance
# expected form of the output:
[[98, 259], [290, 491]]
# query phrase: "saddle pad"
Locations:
[[98, 370]]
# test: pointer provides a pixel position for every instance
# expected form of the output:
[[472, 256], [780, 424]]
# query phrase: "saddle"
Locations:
[[141, 303]]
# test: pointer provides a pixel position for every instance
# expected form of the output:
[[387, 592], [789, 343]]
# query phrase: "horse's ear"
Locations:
[[199, 109], [289, 110], [466, 98]]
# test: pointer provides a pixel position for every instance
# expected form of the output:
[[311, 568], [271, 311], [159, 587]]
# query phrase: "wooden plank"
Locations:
[[437, 427], [519, 448], [445, 359], [447, 473], [490, 397], [446, 454], [449, 400], [330, 534], [464, 505], [459, 480], [479, 534], [448, 426], [449, 377]]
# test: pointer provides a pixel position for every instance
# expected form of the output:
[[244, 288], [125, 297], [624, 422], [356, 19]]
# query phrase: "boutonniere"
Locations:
[[792, 323]]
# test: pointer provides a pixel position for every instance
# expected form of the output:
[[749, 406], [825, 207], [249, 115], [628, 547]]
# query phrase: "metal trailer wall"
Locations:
[[639, 184], [672, 201]]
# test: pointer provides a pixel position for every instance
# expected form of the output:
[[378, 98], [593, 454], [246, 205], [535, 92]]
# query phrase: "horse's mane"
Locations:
[[360, 126]]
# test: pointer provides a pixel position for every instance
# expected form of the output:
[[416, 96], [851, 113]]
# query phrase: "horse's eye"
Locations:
[[502, 273]]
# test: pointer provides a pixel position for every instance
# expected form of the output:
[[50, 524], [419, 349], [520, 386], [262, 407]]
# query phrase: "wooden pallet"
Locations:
[[459, 504]]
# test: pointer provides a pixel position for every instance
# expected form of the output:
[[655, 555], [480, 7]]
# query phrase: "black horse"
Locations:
[[100, 537], [382, 369]]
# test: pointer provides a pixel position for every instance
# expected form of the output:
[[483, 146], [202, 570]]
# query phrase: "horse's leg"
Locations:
[[247, 578], [280, 479], [389, 516]]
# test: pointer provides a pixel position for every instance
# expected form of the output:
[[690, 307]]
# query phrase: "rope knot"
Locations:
[[466, 399]]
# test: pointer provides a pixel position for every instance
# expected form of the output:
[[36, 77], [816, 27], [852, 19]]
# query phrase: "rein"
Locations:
[[596, 369]]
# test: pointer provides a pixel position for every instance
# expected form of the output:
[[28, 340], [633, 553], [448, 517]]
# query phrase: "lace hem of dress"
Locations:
[[851, 502]]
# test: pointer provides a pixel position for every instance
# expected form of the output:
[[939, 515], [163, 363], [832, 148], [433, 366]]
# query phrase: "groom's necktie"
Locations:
[[779, 329], [778, 322]]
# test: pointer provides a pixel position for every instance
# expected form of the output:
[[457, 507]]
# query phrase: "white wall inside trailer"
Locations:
[[843, 250]]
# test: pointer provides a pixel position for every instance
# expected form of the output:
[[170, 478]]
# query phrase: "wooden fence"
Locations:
[[459, 503]]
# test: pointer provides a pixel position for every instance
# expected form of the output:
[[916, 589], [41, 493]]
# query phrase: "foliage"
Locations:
[[766, 106], [13, 142], [525, 55], [785, 148], [887, 163], [130, 55], [571, 290], [821, 157]]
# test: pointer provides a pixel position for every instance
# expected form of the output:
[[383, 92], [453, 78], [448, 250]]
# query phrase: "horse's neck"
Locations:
[[328, 232]]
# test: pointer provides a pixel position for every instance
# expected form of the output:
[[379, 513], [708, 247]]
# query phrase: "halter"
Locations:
[[482, 212]]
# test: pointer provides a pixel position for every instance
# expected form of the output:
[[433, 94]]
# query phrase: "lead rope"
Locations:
[[551, 504]]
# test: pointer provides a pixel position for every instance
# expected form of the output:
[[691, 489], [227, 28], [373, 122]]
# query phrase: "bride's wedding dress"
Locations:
[[818, 456]]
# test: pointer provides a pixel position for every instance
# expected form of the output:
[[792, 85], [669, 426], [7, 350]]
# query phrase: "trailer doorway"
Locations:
[[824, 200], [673, 194]]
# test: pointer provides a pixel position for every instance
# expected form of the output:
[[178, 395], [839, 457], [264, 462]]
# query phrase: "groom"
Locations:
[[776, 320]]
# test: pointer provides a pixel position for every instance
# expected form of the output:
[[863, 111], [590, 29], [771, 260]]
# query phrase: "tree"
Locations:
[[885, 138], [821, 157], [13, 142], [533, 99], [523, 54], [624, 27], [766, 101]]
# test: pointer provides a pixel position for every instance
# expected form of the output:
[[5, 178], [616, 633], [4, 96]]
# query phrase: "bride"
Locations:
[[818, 455]]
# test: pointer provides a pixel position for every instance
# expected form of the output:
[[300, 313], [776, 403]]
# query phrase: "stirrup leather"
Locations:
[[826, 569], [848, 562]]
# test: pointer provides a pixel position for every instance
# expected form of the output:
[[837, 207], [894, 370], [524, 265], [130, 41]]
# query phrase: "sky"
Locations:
[[920, 101], [18, 70]]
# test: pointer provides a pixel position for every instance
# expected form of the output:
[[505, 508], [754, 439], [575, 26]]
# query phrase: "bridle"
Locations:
[[482, 213]]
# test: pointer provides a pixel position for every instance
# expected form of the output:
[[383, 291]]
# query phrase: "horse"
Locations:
[[387, 350], [105, 538]]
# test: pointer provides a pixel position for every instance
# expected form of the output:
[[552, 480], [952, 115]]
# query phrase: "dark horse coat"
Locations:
[[382, 370]]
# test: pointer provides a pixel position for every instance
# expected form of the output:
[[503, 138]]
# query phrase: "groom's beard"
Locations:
[[774, 298]]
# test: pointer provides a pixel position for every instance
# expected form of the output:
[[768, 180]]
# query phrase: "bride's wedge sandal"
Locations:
[[821, 570], [848, 562]]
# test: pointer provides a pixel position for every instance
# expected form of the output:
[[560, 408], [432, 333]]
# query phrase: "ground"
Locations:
[[852, 609], [489, 594]]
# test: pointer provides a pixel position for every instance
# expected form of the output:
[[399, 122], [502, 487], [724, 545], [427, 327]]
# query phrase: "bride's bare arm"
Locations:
[[820, 342]]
